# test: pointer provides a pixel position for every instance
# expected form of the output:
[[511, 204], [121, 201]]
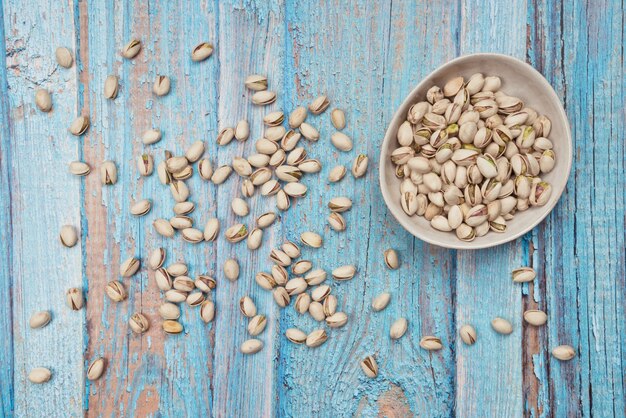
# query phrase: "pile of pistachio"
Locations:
[[470, 156], [276, 169]]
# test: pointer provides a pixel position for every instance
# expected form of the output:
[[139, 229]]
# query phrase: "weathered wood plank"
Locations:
[[367, 56], [581, 247], [6, 248], [251, 40], [44, 196], [489, 379], [166, 371]]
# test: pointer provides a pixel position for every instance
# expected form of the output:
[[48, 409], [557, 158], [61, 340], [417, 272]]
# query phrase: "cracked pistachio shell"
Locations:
[[391, 258], [295, 335], [138, 323], [319, 105], [311, 239], [431, 343], [161, 85], [266, 220], [111, 87], [281, 296], [256, 325], [192, 235], [116, 291], [129, 267], [247, 307], [501, 326], [156, 258], [79, 125], [39, 375], [43, 100], [175, 296], [369, 367], [263, 97], [131, 49], [108, 173], [255, 238], [302, 304], [63, 57], [265, 280], [39, 319], [221, 174], [337, 173], [316, 338], [79, 168], [68, 236], [337, 320], [564, 352], [195, 299], [398, 328], [309, 132], [256, 82], [337, 221], [201, 51], [315, 277], [274, 118], [95, 369], [340, 204], [523, 274], [231, 269], [295, 189], [344, 273], [236, 233], [468, 334], [359, 166]]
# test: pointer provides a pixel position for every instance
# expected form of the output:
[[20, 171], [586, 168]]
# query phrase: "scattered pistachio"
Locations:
[[231, 269], [43, 100], [431, 343], [381, 301], [251, 346], [398, 328], [64, 57], [131, 49], [316, 338], [338, 118], [501, 326], [161, 85], [74, 298], [79, 125], [108, 173], [39, 375], [256, 82], [172, 327], [201, 52], [68, 236], [39, 319], [535, 317], [138, 323], [468, 334], [564, 352], [95, 369], [369, 367], [111, 87]]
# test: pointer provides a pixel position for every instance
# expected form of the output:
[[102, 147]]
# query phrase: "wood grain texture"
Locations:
[[366, 56], [6, 249]]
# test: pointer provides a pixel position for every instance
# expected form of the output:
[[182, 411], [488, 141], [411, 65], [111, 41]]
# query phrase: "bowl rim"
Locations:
[[463, 245]]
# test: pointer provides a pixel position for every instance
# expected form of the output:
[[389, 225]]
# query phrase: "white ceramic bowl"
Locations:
[[518, 79]]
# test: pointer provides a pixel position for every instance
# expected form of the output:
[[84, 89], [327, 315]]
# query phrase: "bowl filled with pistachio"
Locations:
[[478, 153]]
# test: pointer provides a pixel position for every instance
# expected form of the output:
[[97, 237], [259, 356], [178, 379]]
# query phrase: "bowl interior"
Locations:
[[518, 79]]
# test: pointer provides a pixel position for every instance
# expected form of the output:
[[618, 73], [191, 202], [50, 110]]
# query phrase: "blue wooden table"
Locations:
[[366, 55]]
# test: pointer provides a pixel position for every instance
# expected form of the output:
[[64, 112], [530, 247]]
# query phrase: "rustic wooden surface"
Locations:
[[366, 56]]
